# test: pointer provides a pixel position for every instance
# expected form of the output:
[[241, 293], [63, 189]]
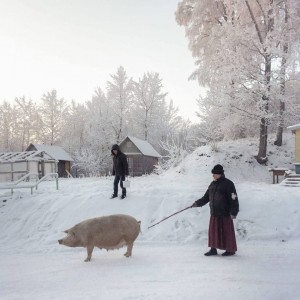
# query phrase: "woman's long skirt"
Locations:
[[221, 233]]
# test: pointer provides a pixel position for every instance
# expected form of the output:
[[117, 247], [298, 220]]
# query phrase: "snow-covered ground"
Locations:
[[168, 260]]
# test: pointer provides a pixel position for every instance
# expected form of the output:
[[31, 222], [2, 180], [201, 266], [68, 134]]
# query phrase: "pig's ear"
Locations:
[[66, 231]]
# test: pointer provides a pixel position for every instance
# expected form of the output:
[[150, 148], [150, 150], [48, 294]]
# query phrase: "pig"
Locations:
[[108, 232]]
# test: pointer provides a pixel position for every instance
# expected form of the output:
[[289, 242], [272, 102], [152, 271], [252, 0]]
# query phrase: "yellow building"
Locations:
[[296, 129]]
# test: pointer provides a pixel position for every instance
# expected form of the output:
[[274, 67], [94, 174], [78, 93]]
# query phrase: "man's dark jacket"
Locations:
[[222, 198], [120, 165]]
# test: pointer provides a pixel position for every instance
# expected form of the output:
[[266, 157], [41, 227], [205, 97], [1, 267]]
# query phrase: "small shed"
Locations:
[[59, 154], [142, 157], [14, 165], [296, 129]]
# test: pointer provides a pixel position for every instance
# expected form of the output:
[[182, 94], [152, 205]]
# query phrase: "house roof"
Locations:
[[56, 152], [293, 127], [25, 156], [143, 146]]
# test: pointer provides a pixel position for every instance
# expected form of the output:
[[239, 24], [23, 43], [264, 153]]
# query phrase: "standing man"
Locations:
[[120, 170], [224, 207]]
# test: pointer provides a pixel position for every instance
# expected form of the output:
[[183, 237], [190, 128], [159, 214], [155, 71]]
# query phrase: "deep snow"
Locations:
[[167, 261]]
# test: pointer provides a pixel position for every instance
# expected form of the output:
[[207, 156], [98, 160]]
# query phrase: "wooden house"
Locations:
[[296, 130], [58, 153], [14, 165], [142, 157]]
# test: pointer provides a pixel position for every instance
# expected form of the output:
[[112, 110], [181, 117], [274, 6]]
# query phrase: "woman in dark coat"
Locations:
[[224, 206], [120, 170]]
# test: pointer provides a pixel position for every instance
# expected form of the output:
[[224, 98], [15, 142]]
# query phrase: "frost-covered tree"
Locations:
[[28, 122], [149, 104], [8, 116], [174, 155], [238, 46], [292, 111], [54, 113], [288, 44], [171, 122], [99, 134], [87, 163], [176, 139], [119, 95], [74, 127]]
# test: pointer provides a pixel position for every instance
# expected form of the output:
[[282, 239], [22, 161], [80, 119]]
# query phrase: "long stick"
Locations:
[[169, 216]]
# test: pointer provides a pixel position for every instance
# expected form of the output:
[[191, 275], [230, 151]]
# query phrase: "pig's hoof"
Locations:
[[127, 255], [87, 259]]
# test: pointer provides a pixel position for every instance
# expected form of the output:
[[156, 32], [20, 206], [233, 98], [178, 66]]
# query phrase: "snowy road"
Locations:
[[267, 270]]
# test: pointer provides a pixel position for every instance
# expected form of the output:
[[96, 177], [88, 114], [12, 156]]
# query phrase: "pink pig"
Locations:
[[108, 232]]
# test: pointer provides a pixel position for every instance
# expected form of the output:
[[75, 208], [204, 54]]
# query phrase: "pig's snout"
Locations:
[[60, 241]]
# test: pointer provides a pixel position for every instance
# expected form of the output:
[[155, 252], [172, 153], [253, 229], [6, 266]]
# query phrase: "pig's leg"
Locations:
[[89, 250], [129, 249]]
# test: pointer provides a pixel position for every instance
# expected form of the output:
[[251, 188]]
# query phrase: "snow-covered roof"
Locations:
[[55, 151], [25, 156], [293, 127], [143, 146]]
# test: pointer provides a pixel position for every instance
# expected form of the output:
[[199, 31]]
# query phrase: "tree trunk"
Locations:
[[263, 135], [263, 138], [278, 141], [119, 133], [263, 132], [146, 126], [279, 134]]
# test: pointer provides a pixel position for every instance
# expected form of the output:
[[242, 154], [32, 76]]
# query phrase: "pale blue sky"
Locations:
[[74, 45]]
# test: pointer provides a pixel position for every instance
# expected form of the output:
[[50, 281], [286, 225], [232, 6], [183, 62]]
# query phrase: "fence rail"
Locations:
[[19, 184]]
